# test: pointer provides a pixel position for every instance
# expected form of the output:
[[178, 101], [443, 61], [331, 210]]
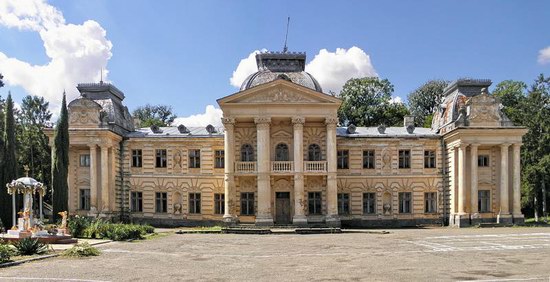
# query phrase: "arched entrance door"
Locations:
[[282, 208]]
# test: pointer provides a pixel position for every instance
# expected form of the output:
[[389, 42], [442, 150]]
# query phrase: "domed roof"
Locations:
[[287, 66]]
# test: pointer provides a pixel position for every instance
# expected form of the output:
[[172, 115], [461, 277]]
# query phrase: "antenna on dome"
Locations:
[[286, 36]]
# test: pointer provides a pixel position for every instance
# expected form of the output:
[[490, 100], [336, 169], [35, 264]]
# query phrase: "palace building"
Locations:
[[281, 158]]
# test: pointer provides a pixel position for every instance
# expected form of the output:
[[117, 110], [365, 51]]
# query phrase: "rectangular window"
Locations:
[[136, 201], [368, 159], [430, 202], [194, 158], [219, 162], [343, 159], [483, 161], [85, 160], [404, 158], [314, 202], [161, 158], [429, 159], [369, 203], [194, 202], [484, 201], [219, 205], [136, 158], [405, 202], [247, 203], [161, 202], [85, 199], [343, 203]]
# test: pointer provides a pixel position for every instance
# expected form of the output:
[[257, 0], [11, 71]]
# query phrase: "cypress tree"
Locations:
[[60, 162], [9, 162]]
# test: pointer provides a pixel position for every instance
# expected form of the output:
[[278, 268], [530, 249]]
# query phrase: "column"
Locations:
[[93, 179], [474, 180], [104, 179], [504, 213], [299, 203], [13, 209], [462, 179], [263, 215], [332, 217], [229, 169], [516, 185]]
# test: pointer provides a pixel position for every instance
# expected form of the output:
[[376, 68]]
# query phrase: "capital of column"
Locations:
[[474, 145], [331, 121], [298, 120], [228, 121], [504, 145], [462, 145], [92, 146], [262, 122], [517, 146]]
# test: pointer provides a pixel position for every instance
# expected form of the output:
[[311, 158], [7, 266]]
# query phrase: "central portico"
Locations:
[[277, 131]]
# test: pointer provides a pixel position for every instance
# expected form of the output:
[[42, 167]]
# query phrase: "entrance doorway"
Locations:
[[282, 207]]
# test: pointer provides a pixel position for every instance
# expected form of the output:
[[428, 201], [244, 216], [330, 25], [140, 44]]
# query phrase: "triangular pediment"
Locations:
[[279, 92]]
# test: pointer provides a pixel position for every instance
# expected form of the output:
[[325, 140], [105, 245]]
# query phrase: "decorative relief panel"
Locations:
[[84, 113], [279, 95]]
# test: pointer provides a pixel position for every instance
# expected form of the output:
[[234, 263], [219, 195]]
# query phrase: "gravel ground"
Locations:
[[439, 254]]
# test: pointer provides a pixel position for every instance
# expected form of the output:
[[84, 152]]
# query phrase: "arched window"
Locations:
[[281, 152], [314, 153], [247, 153]]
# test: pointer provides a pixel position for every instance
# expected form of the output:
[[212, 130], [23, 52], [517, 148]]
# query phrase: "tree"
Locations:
[[159, 115], [424, 100], [512, 95], [60, 162], [9, 160], [367, 102], [1, 80]]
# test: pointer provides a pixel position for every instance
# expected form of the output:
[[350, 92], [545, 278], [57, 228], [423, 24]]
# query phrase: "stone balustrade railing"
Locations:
[[245, 167], [282, 166], [315, 166]]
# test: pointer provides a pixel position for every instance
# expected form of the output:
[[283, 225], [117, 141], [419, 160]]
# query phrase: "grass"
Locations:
[[207, 228], [531, 221]]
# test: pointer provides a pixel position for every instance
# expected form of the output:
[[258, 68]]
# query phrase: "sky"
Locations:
[[187, 54]]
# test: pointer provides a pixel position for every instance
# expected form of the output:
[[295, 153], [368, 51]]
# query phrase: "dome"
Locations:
[[276, 65]]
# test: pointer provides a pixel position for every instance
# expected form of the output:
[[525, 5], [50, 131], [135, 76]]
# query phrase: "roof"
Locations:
[[173, 131], [390, 132]]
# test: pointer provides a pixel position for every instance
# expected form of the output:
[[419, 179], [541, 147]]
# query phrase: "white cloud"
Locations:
[[211, 115], [77, 52], [544, 56], [331, 69], [396, 100]]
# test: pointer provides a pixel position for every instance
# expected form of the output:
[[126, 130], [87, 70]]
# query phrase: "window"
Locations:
[[429, 159], [314, 202], [368, 159], [404, 159], [281, 152], [484, 201], [136, 201], [343, 203], [247, 153], [161, 158], [85, 160], [247, 203], [430, 202], [369, 203], [483, 160], [85, 199], [194, 202], [405, 202], [194, 158], [314, 153], [161, 202], [219, 159], [136, 158], [219, 205], [343, 159]]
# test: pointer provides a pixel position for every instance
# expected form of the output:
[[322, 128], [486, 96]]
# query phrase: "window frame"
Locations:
[[480, 201], [219, 158], [137, 158], [219, 203], [161, 158], [369, 203], [344, 204], [282, 152], [161, 202], [247, 153], [136, 201], [430, 159], [194, 158], [315, 203], [404, 159], [195, 203], [84, 199], [369, 159], [483, 161], [430, 202], [314, 153], [247, 203], [84, 160], [342, 159], [405, 202]]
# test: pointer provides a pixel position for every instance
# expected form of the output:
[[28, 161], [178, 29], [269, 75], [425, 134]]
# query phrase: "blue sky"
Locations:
[[183, 53]]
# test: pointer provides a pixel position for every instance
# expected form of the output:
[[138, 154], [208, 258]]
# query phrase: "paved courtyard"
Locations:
[[440, 254]]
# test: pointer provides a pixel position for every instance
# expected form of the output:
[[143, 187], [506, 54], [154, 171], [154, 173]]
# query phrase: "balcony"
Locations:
[[245, 167], [315, 166], [282, 167]]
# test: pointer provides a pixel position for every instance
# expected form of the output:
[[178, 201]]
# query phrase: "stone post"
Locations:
[[516, 183], [504, 216], [104, 179], [332, 218], [299, 216], [473, 186], [263, 215], [14, 209], [462, 217], [93, 179], [229, 169]]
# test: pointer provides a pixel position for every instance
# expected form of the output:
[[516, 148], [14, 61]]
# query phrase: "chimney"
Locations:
[[137, 123], [408, 123]]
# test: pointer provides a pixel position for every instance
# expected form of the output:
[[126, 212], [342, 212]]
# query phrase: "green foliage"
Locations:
[[81, 250], [424, 100], [9, 161], [368, 102], [512, 95], [82, 227], [159, 115], [30, 246], [6, 252], [60, 162], [77, 225], [96, 228], [1, 80]]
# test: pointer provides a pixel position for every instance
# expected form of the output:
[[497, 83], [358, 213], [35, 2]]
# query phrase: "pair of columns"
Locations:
[[264, 215], [504, 185], [104, 205]]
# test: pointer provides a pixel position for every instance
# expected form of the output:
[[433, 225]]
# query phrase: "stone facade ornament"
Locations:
[[178, 159], [279, 95]]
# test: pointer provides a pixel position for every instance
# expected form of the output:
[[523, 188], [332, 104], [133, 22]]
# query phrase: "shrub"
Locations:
[[6, 252], [96, 228], [29, 246], [120, 232], [77, 225], [81, 250]]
